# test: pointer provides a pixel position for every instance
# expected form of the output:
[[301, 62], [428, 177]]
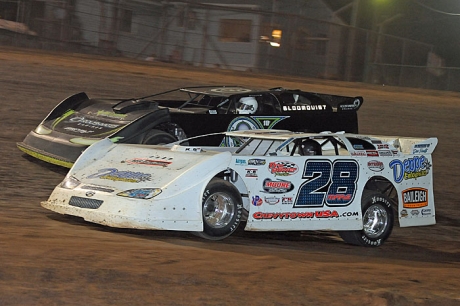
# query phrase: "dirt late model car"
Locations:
[[79, 121], [275, 181]]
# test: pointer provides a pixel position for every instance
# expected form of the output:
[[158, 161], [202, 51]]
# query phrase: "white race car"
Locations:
[[274, 181]]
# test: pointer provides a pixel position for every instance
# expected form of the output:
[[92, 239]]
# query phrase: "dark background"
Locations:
[[435, 22]]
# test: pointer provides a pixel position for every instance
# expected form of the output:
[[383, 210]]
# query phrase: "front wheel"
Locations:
[[158, 137], [378, 220], [222, 210]]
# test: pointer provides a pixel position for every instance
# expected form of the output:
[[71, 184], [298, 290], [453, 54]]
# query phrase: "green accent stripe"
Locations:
[[65, 115], [48, 159]]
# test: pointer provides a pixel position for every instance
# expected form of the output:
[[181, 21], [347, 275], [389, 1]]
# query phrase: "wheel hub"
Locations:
[[218, 210], [375, 221]]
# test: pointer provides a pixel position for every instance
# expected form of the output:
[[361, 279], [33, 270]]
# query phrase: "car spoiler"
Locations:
[[70, 102], [342, 103], [337, 102]]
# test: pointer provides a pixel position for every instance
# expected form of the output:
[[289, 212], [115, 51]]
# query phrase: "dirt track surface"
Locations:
[[49, 259]]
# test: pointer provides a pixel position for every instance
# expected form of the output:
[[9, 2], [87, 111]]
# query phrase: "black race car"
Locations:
[[165, 117]]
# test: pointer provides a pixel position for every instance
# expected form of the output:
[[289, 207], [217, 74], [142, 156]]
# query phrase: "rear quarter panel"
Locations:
[[324, 192], [302, 193], [198, 124]]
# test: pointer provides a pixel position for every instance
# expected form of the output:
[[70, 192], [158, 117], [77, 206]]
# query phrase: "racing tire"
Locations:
[[158, 137], [378, 220], [222, 210]]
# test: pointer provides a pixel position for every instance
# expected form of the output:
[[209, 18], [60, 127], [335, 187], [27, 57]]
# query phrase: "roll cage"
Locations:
[[290, 147]]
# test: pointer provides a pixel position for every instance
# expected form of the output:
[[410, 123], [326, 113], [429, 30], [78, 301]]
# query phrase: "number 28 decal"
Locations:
[[333, 184]]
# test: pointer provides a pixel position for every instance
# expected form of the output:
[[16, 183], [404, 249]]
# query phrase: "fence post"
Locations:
[[205, 38]]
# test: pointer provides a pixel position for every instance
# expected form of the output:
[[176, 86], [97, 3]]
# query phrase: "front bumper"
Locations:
[[53, 148], [104, 207]]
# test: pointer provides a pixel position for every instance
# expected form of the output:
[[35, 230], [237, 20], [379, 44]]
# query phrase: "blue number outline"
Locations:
[[308, 191]]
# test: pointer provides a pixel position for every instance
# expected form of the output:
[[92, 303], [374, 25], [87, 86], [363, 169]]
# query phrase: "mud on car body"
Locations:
[[357, 185]]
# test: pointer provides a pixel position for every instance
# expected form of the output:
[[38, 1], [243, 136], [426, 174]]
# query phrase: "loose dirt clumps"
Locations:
[[49, 259]]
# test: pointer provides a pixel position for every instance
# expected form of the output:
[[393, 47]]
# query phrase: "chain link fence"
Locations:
[[239, 37]]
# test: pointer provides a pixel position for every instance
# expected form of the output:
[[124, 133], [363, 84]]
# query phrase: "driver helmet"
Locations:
[[247, 106], [310, 147]]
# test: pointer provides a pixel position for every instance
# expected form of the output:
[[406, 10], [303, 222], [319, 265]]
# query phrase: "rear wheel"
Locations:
[[154, 137], [222, 210], [378, 220]]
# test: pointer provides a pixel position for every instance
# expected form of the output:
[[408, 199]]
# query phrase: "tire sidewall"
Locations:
[[219, 185], [369, 201], [154, 137]]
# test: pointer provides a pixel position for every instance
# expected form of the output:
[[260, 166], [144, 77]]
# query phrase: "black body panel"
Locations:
[[79, 121]]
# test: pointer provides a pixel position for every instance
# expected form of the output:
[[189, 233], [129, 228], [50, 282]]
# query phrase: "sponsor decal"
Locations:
[[372, 153], [251, 172], [138, 193], [256, 201], [382, 146], [277, 186], [339, 197], [385, 153], [77, 130], [103, 113], [256, 162], [272, 200], [287, 200], [123, 176], [283, 168], [421, 148], [426, 212], [192, 149], [148, 162], [288, 108], [355, 105], [82, 121], [415, 212], [97, 188], [375, 165], [411, 168], [156, 156], [358, 153], [358, 147], [415, 197], [318, 214], [240, 162], [404, 213], [268, 122]]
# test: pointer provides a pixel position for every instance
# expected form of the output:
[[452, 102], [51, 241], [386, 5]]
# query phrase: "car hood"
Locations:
[[127, 166], [97, 120]]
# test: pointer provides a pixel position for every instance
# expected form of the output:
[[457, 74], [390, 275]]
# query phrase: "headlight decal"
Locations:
[[42, 130], [70, 182], [144, 193]]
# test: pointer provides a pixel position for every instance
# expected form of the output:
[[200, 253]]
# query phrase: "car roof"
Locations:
[[229, 90], [217, 90]]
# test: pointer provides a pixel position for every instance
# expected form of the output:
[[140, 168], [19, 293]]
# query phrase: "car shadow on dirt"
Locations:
[[243, 241]]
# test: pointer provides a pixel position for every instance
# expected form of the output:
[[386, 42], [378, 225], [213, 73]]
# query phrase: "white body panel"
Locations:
[[280, 192]]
